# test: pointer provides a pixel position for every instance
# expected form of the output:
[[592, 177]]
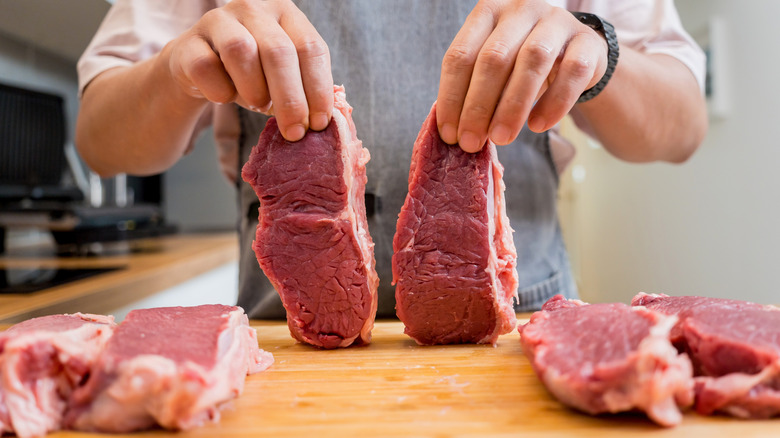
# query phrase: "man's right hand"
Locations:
[[255, 54]]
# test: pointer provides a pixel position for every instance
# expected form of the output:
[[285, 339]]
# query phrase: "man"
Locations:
[[507, 70]]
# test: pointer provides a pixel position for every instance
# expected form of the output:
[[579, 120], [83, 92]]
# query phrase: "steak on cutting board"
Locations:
[[608, 358], [454, 258], [171, 366], [312, 238], [735, 349], [42, 360]]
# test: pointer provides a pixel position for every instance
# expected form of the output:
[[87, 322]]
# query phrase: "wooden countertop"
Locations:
[[395, 388], [153, 265]]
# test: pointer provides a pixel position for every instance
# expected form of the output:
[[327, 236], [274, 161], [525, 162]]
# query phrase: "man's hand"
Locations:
[[256, 54], [507, 55]]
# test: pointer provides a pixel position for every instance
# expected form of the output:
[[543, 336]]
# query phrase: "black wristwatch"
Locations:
[[603, 27]]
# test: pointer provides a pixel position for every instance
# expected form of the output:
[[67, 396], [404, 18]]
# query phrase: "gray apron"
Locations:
[[388, 56]]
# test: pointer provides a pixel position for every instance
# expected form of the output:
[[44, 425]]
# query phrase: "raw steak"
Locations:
[[682, 306], [601, 358], [172, 366], [735, 348], [454, 258], [312, 238], [42, 361]]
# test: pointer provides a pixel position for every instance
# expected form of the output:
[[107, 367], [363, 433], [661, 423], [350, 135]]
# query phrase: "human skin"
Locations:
[[523, 60], [266, 56]]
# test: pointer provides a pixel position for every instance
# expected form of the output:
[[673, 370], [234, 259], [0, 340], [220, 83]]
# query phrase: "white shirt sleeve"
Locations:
[[649, 26], [134, 30]]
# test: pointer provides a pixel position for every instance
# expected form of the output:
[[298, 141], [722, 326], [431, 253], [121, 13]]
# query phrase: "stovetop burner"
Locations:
[[29, 280]]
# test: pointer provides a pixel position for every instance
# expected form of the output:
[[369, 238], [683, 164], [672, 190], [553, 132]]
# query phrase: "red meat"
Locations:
[[312, 239], [735, 349], [608, 358], [43, 360], [454, 258], [168, 366]]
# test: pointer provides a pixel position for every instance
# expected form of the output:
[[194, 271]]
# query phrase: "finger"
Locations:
[[491, 71], [456, 69], [534, 64], [237, 49], [314, 59], [200, 71], [279, 62], [577, 69]]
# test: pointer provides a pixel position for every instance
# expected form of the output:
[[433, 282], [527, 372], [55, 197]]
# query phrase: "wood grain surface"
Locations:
[[395, 388]]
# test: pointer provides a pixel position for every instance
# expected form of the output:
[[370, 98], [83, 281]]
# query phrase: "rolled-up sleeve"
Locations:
[[134, 30], [648, 26], [652, 27]]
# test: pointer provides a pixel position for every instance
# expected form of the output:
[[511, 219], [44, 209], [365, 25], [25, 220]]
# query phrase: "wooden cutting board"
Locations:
[[395, 388]]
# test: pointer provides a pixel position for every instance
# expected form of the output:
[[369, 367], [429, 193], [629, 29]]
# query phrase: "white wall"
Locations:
[[709, 226]]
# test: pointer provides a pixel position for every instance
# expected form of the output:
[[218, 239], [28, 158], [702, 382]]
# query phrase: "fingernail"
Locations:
[[319, 121], [265, 109], [449, 133], [536, 123], [500, 134], [469, 142], [295, 132]]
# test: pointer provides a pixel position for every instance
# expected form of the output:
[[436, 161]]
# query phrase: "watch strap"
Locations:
[[608, 31]]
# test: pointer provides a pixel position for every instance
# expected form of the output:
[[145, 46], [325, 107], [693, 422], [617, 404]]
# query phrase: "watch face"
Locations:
[[590, 20]]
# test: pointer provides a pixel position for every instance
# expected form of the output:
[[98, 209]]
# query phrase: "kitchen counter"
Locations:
[[391, 387], [395, 388], [152, 266]]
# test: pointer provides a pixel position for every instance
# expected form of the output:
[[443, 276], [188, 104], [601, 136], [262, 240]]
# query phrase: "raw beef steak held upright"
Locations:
[[454, 258], [42, 361], [601, 358], [312, 238], [735, 349], [171, 366]]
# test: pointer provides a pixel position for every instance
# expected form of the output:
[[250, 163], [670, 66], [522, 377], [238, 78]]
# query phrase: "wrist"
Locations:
[[607, 31]]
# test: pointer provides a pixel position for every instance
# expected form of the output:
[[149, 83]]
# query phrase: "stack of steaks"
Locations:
[[660, 355], [735, 349], [173, 366], [601, 358]]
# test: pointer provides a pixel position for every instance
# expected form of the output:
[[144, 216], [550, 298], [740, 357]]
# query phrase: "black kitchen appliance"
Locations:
[[35, 190]]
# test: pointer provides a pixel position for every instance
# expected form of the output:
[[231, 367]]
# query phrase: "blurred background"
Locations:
[[706, 227], [709, 226]]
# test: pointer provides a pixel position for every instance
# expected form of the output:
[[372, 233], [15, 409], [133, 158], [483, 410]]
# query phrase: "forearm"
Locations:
[[651, 110], [136, 119]]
